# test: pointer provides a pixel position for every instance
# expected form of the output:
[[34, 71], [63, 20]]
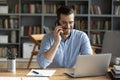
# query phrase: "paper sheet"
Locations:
[[10, 78], [35, 78], [41, 72], [24, 78]]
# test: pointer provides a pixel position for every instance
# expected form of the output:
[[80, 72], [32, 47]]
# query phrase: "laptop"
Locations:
[[91, 65]]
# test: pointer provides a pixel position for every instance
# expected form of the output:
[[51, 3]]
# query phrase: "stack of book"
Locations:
[[116, 71]]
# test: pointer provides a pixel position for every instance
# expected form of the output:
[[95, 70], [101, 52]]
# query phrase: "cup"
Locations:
[[11, 65], [117, 60]]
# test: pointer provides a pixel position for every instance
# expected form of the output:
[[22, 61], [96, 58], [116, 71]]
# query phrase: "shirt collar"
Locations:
[[68, 37]]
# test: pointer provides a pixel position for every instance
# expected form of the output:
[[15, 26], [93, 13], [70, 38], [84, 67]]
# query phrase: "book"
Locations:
[[11, 23], [1, 23], [98, 9], [93, 25], [106, 25], [16, 8], [0, 52], [98, 39], [116, 72], [114, 75], [116, 67], [117, 10], [31, 8], [83, 24], [6, 23], [91, 10]]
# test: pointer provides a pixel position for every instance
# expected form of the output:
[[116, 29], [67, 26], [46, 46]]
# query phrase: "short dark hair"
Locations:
[[67, 10]]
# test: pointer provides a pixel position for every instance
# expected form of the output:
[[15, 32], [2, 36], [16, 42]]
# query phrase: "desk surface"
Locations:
[[59, 74]]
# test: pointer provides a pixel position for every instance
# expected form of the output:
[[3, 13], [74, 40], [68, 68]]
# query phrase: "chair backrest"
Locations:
[[36, 38], [111, 43], [94, 48]]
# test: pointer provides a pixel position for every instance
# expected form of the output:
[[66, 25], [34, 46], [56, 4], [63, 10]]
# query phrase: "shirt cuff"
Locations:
[[42, 61]]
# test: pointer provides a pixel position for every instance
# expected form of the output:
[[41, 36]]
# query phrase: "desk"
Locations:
[[59, 74]]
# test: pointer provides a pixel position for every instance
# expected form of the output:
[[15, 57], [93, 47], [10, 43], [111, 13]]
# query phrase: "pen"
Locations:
[[35, 72]]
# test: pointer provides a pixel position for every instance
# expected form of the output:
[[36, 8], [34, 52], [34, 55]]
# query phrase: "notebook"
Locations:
[[91, 65]]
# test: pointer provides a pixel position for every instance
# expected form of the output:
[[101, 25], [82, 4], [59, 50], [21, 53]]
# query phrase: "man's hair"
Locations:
[[67, 10]]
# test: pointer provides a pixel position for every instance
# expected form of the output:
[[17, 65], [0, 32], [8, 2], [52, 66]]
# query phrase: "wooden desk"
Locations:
[[59, 74]]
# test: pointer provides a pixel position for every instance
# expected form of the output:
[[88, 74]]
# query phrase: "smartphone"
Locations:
[[58, 24]]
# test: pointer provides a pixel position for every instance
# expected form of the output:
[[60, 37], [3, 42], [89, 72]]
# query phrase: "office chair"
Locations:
[[111, 44], [94, 48], [36, 39]]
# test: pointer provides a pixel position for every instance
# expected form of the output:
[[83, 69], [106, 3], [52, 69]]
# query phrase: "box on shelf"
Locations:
[[3, 9], [3, 38], [27, 49]]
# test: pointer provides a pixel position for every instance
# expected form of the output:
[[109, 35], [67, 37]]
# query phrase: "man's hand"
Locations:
[[57, 31]]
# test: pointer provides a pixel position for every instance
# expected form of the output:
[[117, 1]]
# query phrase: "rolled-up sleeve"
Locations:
[[45, 45], [42, 61], [86, 46]]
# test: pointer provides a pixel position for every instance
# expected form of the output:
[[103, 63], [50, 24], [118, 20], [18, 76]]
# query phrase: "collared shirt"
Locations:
[[77, 44]]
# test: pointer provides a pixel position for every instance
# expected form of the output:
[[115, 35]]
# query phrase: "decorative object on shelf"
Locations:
[[117, 60], [11, 61], [13, 36]]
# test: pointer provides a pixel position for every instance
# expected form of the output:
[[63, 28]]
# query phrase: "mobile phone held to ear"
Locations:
[[57, 23]]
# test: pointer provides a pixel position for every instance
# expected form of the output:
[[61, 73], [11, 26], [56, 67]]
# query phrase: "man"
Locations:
[[61, 47]]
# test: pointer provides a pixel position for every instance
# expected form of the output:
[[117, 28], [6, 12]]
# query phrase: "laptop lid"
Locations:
[[91, 65]]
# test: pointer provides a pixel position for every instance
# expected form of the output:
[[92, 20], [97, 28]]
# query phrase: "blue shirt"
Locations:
[[77, 44]]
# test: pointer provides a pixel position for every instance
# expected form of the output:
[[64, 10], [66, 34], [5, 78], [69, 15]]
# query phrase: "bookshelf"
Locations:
[[24, 17], [9, 28]]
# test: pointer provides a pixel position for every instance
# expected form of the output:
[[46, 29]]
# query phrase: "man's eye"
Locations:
[[70, 22], [64, 22]]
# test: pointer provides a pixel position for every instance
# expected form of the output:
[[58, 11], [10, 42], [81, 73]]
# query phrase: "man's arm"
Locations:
[[86, 46], [49, 55]]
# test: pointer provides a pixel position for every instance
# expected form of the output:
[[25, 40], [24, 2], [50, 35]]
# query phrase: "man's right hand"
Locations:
[[57, 31], [50, 54]]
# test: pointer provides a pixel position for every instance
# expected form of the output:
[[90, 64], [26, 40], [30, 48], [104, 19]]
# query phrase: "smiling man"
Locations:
[[61, 47]]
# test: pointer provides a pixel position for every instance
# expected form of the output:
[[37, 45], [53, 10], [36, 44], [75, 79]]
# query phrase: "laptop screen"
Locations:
[[92, 65]]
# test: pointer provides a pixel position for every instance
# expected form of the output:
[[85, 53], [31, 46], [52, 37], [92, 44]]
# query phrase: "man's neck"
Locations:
[[65, 37]]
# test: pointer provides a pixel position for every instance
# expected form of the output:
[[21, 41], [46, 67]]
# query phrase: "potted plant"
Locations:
[[11, 60]]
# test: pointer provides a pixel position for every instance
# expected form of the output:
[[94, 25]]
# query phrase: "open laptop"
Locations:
[[91, 65]]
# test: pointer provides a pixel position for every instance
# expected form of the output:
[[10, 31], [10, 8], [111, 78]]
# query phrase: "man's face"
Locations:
[[67, 22]]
